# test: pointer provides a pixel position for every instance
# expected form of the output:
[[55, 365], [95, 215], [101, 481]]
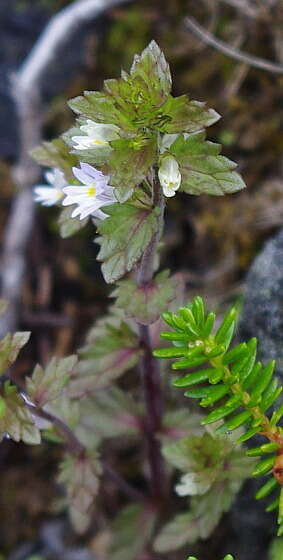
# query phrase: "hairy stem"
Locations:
[[149, 366], [151, 384]]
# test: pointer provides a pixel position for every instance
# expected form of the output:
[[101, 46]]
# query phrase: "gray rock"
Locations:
[[262, 314]]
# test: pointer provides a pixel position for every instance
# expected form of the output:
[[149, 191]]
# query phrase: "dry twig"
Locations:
[[26, 91], [232, 52], [243, 6]]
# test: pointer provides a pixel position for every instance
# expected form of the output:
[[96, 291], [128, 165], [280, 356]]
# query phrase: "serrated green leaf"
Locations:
[[146, 303], [198, 456], [108, 414], [65, 408], [129, 164], [68, 225], [203, 170], [152, 68], [56, 154], [112, 348], [134, 520], [10, 347], [179, 114], [124, 237], [80, 475], [99, 107], [45, 385], [209, 508], [179, 424], [203, 459], [16, 420], [181, 530]]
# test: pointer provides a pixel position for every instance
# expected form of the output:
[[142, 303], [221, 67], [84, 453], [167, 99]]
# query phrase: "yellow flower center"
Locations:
[[169, 184], [99, 142], [91, 190]]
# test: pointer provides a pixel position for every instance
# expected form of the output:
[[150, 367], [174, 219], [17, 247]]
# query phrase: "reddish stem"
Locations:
[[149, 366]]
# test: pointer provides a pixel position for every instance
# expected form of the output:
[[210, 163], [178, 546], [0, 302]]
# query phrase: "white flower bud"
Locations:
[[96, 135], [169, 175], [192, 484]]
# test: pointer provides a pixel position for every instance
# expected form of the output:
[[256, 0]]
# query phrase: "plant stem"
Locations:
[[151, 384], [129, 490], [76, 448], [149, 366]]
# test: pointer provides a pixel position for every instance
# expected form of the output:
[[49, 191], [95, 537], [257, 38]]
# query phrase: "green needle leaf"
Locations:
[[263, 466]]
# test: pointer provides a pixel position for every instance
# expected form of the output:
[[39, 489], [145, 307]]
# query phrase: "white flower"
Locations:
[[169, 175], [96, 135], [93, 194], [48, 195], [192, 484]]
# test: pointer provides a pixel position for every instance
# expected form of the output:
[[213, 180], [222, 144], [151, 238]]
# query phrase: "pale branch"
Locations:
[[62, 25], [26, 84], [194, 27], [244, 7]]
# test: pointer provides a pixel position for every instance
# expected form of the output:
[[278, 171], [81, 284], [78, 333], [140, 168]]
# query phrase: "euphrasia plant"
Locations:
[[245, 388], [133, 147]]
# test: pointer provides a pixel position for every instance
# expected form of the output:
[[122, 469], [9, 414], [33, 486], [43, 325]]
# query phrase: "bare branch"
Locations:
[[26, 91], [232, 52], [243, 6], [259, 10]]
